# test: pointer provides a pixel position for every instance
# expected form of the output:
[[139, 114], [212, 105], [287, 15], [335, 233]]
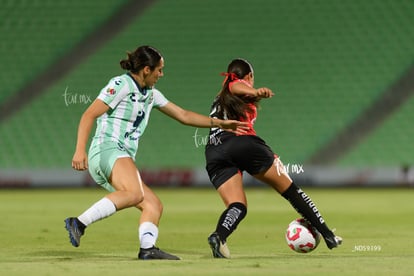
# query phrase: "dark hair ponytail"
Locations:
[[141, 57], [126, 63], [234, 106]]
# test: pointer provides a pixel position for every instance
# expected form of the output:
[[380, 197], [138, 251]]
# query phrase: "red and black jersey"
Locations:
[[217, 109], [227, 153]]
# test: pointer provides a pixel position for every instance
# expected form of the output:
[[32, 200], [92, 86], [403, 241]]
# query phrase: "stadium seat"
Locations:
[[325, 60]]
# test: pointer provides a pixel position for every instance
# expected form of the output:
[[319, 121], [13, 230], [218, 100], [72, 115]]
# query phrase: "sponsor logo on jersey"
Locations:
[[111, 91]]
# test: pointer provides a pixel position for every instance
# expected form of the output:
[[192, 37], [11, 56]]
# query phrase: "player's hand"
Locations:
[[80, 161], [235, 126], [264, 92]]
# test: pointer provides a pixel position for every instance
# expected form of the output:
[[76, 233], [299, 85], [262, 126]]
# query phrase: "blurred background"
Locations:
[[342, 72]]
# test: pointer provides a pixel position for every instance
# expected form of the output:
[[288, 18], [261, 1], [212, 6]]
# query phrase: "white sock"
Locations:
[[100, 210], [148, 234]]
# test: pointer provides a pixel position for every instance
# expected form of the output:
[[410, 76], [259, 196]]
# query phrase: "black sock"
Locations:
[[304, 206], [229, 219]]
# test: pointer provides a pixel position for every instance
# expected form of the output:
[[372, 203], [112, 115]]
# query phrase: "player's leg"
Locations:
[[234, 198], [278, 178], [151, 208], [127, 184], [127, 192]]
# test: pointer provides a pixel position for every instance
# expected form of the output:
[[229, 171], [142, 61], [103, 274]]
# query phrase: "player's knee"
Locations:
[[135, 199], [151, 205]]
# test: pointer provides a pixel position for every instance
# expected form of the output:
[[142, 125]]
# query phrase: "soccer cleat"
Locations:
[[75, 233], [219, 249], [154, 253], [333, 241]]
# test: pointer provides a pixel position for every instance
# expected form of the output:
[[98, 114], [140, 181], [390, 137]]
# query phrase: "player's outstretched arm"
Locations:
[[242, 89], [191, 118]]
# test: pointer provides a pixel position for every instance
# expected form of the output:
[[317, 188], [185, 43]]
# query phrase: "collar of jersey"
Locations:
[[143, 91]]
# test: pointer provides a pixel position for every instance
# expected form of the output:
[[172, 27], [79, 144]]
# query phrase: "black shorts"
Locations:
[[237, 154]]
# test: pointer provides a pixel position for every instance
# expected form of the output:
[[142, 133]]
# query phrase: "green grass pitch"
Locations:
[[376, 224]]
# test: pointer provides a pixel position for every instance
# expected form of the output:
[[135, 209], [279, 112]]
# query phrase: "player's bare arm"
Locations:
[[80, 158], [242, 89], [191, 118]]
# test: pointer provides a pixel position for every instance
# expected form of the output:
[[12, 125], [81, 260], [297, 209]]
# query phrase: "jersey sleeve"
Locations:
[[239, 80], [159, 99], [114, 92]]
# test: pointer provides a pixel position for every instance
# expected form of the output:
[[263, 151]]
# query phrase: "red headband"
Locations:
[[232, 77]]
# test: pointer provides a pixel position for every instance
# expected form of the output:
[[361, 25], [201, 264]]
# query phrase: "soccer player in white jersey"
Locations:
[[121, 111]]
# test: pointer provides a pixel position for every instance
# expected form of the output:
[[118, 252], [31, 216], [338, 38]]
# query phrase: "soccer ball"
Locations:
[[301, 236]]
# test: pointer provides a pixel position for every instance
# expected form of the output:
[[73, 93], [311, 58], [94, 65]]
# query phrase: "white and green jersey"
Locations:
[[130, 108]]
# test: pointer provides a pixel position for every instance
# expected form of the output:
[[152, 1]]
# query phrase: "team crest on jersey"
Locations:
[[118, 81], [111, 91]]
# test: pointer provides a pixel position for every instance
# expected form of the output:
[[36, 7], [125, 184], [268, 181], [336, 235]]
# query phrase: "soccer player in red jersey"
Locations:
[[228, 155]]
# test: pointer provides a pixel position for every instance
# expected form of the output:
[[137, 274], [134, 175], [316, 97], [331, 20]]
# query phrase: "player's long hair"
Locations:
[[235, 107], [141, 57]]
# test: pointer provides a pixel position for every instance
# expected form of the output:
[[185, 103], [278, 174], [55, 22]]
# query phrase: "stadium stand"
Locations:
[[388, 145], [326, 60], [35, 33]]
